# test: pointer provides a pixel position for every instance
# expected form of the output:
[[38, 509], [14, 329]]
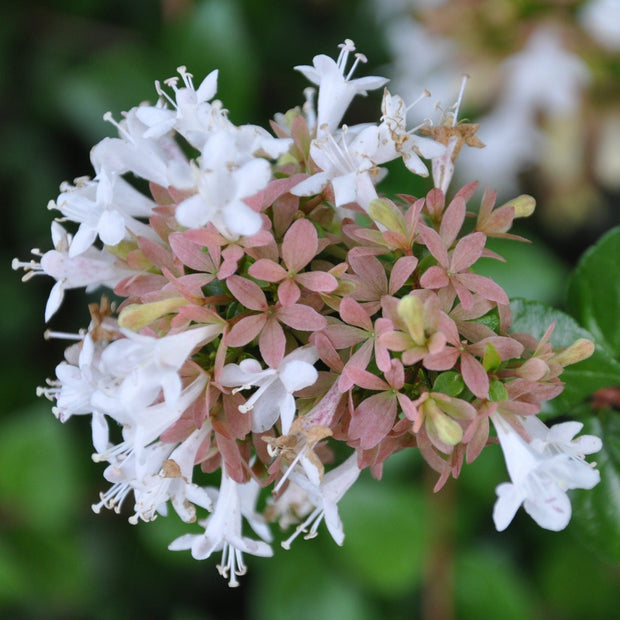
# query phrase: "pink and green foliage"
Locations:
[[359, 323]]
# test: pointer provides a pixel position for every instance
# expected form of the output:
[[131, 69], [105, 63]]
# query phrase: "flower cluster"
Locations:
[[282, 324]]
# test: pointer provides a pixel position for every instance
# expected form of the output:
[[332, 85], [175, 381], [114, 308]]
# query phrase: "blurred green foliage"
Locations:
[[63, 64]]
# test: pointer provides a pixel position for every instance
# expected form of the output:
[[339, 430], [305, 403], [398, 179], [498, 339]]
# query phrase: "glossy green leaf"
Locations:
[[582, 379], [596, 512], [594, 292]]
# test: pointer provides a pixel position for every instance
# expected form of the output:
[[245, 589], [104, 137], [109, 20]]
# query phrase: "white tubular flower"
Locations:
[[542, 471], [192, 116], [159, 160], [349, 161], [544, 76], [173, 482], [141, 427], [223, 530], [274, 398], [77, 379], [107, 208], [89, 270], [325, 498], [142, 366], [226, 176], [336, 88], [409, 145]]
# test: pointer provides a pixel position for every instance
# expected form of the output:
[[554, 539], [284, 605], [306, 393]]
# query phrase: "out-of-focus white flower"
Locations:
[[601, 19], [544, 77], [274, 397], [542, 471]]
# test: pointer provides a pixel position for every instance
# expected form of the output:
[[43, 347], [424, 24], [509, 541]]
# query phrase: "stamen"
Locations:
[[425, 94], [358, 58], [308, 108], [233, 564], [110, 119], [460, 98], [290, 469], [345, 48], [164, 95], [315, 514], [187, 77], [48, 334]]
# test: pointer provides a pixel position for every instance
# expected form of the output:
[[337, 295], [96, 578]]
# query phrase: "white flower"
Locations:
[[159, 160], [544, 76], [325, 498], [601, 19], [226, 176], [410, 146], [336, 88], [542, 471], [349, 162], [274, 397], [142, 365], [143, 426], [223, 529], [90, 269], [107, 208], [172, 480], [77, 379], [193, 117]]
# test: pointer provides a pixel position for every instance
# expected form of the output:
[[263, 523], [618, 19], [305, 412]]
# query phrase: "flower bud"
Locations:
[[524, 205], [580, 350]]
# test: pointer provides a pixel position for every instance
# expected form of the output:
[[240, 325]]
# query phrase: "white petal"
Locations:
[[241, 220], [54, 300], [344, 189], [311, 186], [297, 375], [551, 511], [111, 227], [508, 501], [193, 212]]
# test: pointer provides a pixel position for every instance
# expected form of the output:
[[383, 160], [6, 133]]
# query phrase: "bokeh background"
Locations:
[[408, 553]]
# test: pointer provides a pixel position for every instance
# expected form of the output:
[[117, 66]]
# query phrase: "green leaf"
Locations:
[[450, 383], [594, 292], [596, 512], [582, 379]]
